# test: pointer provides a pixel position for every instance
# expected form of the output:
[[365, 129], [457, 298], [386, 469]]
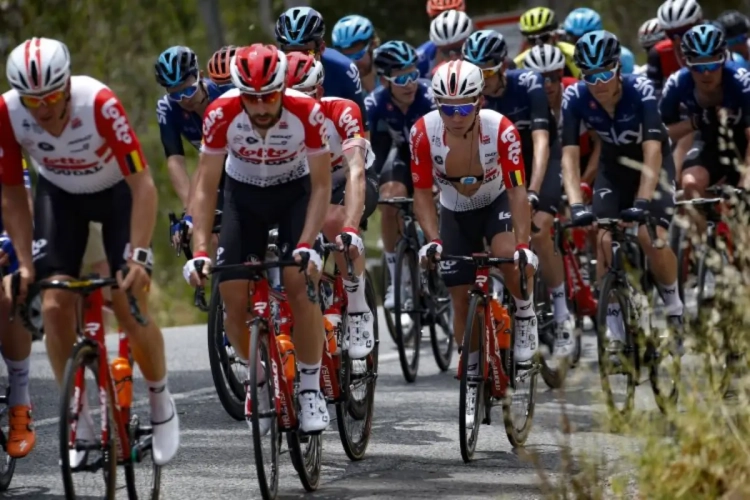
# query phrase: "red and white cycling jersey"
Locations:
[[499, 153], [278, 158], [345, 127], [96, 150]]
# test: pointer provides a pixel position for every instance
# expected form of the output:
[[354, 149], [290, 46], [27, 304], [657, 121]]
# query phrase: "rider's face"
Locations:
[[262, 109], [49, 110], [552, 85], [493, 77], [361, 55], [603, 84], [403, 84], [459, 114], [189, 94], [706, 72]]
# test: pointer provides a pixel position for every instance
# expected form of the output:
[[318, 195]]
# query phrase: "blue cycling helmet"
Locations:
[[394, 56], [704, 40], [485, 46], [350, 30], [175, 65], [596, 50], [581, 21], [299, 26], [627, 61]]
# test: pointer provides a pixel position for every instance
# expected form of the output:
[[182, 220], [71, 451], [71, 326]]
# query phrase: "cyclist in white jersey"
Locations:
[[91, 168], [475, 156], [278, 170]]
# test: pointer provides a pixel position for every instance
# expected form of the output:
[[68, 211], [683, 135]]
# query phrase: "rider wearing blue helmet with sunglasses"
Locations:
[[402, 100], [581, 21], [623, 111], [354, 36], [706, 75]]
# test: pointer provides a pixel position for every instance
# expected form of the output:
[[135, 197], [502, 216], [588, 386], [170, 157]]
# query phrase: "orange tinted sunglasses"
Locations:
[[268, 98], [34, 102]]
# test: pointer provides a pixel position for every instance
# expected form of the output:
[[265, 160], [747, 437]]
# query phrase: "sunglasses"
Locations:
[[704, 67], [267, 98], [359, 54], [462, 110], [540, 39], [34, 102], [403, 80], [602, 76], [552, 77], [492, 71], [186, 93]]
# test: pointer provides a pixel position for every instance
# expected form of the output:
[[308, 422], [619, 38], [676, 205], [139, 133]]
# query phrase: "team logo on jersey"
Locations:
[[45, 146], [251, 140], [111, 111], [348, 123], [438, 160], [76, 123]]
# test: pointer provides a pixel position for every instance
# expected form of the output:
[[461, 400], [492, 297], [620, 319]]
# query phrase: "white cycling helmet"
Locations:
[[457, 80], [650, 33], [544, 59], [675, 14], [450, 27], [38, 66]]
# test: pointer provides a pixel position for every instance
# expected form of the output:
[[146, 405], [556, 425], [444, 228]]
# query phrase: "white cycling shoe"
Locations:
[[165, 437], [565, 338], [263, 405], [313, 412], [359, 337], [527, 339]]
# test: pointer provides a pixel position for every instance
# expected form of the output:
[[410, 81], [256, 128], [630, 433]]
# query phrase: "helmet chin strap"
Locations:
[[473, 123]]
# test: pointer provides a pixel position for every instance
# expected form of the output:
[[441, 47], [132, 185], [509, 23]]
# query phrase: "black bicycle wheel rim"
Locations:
[[468, 443], [413, 338], [442, 344], [385, 280]]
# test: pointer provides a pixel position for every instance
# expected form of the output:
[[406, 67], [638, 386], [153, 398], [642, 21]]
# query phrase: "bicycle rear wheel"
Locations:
[[306, 452], [552, 370], [266, 464], [521, 396], [7, 464], [85, 357], [441, 322], [146, 478], [407, 314], [471, 390]]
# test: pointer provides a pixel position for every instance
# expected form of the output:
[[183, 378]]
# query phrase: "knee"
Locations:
[[296, 293], [58, 306], [392, 190], [543, 221], [234, 298], [693, 184]]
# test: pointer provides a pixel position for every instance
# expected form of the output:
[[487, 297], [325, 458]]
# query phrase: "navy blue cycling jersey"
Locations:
[[678, 98], [636, 119], [380, 108], [342, 78], [525, 103], [427, 53], [176, 123]]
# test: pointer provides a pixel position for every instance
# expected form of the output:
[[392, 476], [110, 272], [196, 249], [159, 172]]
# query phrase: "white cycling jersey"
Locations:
[[345, 128], [499, 153], [96, 150]]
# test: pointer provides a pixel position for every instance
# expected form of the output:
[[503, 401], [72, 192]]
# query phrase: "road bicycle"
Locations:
[[416, 304], [499, 380], [124, 440], [628, 282]]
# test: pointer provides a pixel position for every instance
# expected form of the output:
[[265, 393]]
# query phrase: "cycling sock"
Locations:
[[560, 303], [159, 400], [18, 380], [671, 298], [390, 261], [309, 376], [524, 308], [614, 322], [355, 293], [474, 363]]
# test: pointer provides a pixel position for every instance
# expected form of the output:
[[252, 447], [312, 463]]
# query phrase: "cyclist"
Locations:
[[675, 17], [428, 52], [302, 29], [649, 34], [623, 111], [179, 113], [398, 104], [448, 31], [518, 94], [278, 172], [581, 21], [354, 36], [736, 27], [436, 7], [475, 156], [538, 26], [355, 191], [218, 65], [91, 168]]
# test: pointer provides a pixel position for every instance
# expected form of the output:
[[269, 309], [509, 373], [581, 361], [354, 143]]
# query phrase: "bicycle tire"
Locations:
[[85, 355], [306, 462], [130, 472], [684, 247], [610, 284], [355, 449], [444, 356], [7, 463], [517, 436], [231, 391], [385, 279], [468, 444], [408, 367], [259, 347]]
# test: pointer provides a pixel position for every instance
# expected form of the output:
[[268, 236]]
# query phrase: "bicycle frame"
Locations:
[[332, 361], [578, 291]]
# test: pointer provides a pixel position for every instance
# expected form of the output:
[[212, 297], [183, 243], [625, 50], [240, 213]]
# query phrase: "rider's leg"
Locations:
[[695, 180], [395, 181]]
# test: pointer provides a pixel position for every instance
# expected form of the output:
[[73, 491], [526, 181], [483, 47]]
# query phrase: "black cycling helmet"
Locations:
[[704, 40], [733, 23], [485, 46], [596, 50], [394, 56], [299, 26], [175, 65]]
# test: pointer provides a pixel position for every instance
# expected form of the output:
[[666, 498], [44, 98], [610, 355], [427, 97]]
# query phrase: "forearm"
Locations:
[[179, 177], [589, 174], [202, 208], [317, 209], [541, 157], [18, 222], [424, 208], [143, 213], [572, 175], [354, 198], [521, 214], [650, 174]]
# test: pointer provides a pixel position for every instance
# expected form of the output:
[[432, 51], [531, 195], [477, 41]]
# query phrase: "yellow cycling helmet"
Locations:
[[537, 20]]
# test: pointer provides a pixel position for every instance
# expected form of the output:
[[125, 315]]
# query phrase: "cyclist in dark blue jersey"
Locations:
[[623, 111], [302, 29], [736, 28], [354, 36], [691, 100], [519, 95], [397, 105]]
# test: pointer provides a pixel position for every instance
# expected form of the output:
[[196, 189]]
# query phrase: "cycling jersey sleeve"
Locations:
[[310, 113], [354, 87], [171, 140], [653, 128], [509, 154], [669, 107], [113, 125], [11, 157], [216, 121], [571, 125], [537, 99], [653, 68], [741, 82], [421, 159], [347, 118], [371, 111], [381, 147]]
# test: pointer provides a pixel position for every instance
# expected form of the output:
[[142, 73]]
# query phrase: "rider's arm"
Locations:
[[350, 127], [653, 135], [653, 68], [113, 125], [355, 91], [171, 141], [319, 162], [571, 151], [589, 174], [421, 176], [514, 178], [669, 107], [539, 128]]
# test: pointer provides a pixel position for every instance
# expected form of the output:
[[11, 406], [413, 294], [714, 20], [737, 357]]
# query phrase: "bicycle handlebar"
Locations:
[[398, 200]]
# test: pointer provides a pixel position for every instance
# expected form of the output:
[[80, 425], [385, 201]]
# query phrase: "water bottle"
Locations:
[[501, 320], [332, 324], [122, 373], [288, 356]]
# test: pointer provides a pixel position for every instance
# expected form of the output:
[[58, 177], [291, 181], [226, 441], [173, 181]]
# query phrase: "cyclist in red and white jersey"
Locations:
[[278, 170], [354, 194], [91, 169], [475, 156]]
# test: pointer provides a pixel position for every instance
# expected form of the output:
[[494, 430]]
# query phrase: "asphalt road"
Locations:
[[413, 453]]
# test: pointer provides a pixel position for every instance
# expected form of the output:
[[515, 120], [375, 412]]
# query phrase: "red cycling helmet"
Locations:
[[435, 7], [218, 65], [258, 69], [304, 72]]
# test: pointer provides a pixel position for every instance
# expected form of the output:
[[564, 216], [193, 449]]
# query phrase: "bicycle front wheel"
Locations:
[[520, 399], [472, 388], [407, 309], [441, 322], [7, 464]]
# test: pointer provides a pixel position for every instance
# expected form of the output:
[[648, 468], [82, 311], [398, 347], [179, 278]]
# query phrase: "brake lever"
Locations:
[[199, 297], [312, 294], [172, 222]]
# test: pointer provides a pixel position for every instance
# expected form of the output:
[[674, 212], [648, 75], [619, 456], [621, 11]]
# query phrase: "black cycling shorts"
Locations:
[[612, 195], [705, 153], [464, 233], [550, 193], [250, 212], [338, 196], [61, 227], [399, 170]]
